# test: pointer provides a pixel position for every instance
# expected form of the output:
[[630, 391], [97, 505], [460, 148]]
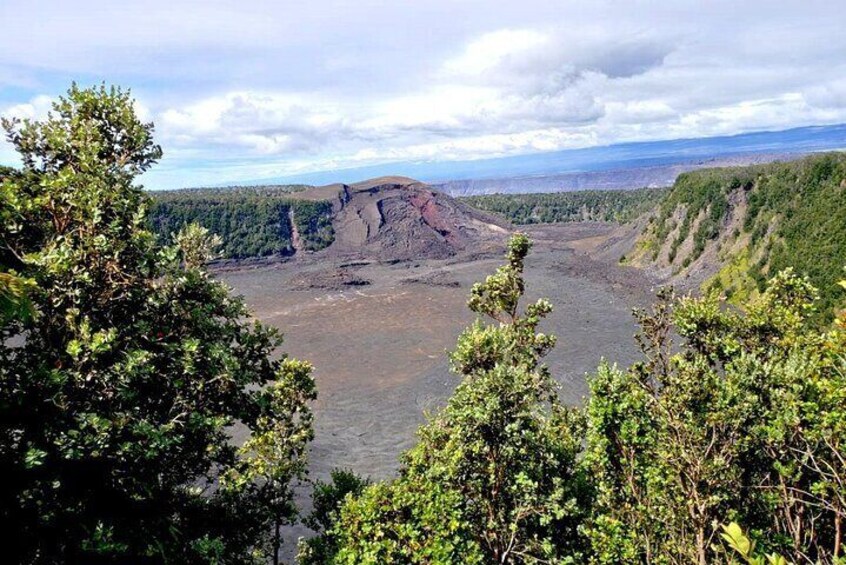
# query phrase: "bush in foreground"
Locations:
[[124, 366], [744, 420]]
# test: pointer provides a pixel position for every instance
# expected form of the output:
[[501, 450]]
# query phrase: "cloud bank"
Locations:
[[241, 91]]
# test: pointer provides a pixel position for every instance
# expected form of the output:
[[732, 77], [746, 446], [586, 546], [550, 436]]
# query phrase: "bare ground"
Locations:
[[379, 349]]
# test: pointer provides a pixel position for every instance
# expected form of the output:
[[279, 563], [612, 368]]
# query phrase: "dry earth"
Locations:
[[377, 333]]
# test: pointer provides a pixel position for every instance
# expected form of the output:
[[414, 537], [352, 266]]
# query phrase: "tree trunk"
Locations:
[[700, 546]]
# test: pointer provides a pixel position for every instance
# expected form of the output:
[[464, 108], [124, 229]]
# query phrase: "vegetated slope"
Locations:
[[579, 206], [389, 219], [252, 221], [732, 228]]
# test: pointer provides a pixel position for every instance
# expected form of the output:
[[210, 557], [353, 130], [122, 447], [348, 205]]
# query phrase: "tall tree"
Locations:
[[493, 478], [120, 392]]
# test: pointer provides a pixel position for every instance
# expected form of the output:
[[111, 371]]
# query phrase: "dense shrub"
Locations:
[[743, 421], [124, 366]]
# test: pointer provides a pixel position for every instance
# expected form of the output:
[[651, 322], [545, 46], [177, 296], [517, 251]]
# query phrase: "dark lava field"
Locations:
[[378, 333]]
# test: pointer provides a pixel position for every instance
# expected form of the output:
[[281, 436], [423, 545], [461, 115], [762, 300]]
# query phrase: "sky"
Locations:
[[241, 91]]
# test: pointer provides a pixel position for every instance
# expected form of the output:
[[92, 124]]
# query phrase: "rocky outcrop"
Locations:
[[397, 219]]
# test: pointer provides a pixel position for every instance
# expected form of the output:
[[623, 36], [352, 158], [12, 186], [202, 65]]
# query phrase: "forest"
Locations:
[[577, 206], [125, 364], [792, 214], [257, 221], [251, 221]]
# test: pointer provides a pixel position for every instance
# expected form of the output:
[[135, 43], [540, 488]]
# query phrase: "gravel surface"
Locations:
[[380, 350]]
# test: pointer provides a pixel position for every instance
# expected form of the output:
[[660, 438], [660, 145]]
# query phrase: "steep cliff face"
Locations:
[[730, 229]]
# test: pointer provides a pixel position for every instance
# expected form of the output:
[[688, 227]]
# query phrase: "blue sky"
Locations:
[[248, 90]]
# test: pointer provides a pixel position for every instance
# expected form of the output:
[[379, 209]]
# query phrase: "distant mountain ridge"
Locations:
[[770, 145], [653, 176]]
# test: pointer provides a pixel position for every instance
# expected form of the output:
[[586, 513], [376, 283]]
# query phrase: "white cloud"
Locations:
[[281, 87], [829, 95], [492, 49], [35, 109]]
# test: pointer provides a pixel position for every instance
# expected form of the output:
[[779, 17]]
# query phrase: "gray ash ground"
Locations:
[[380, 350]]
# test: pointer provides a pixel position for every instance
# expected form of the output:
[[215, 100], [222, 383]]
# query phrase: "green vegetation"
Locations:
[[313, 220], [327, 499], [735, 539], [251, 221], [579, 206], [733, 279], [124, 366], [794, 216], [744, 421], [494, 478], [738, 425]]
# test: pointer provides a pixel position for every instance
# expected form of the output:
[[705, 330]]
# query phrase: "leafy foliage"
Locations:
[[745, 422], [493, 478], [577, 206], [14, 298], [734, 537], [120, 390], [14, 290], [327, 499]]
